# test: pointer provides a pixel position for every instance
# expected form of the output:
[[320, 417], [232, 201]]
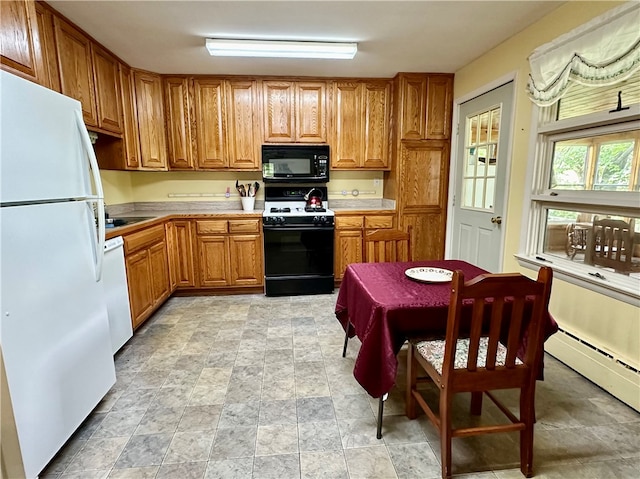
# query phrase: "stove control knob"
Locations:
[[280, 219], [316, 219]]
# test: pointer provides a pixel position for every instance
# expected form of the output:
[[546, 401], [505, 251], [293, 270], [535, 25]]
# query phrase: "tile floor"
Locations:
[[254, 387]]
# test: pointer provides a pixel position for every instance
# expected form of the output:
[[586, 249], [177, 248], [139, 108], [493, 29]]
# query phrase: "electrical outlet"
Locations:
[[376, 182]]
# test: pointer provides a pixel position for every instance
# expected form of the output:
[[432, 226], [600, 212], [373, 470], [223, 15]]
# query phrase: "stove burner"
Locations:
[[313, 209], [280, 210]]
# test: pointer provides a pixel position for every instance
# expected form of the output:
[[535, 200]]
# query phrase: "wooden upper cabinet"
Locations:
[[148, 93], [242, 125], [439, 106], [209, 104], [311, 112], [48, 45], [76, 69], [294, 111], [361, 126], [413, 106], [131, 143], [20, 49], [347, 121], [425, 106], [108, 95], [180, 140], [377, 118], [279, 115]]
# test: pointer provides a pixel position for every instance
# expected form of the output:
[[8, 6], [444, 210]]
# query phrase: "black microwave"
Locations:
[[295, 163]]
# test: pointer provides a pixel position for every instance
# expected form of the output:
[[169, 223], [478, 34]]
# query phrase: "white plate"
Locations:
[[429, 275]]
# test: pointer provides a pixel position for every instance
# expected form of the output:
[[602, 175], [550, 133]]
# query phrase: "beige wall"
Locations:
[[612, 325], [124, 187]]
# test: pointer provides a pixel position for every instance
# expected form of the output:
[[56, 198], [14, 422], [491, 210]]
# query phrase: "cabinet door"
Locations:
[[242, 115], [183, 248], [413, 104], [131, 145], [245, 253], [348, 249], [172, 253], [424, 175], [439, 105], [377, 113], [159, 265], [210, 126], [213, 266], [51, 75], [20, 49], [148, 92], [139, 283], [311, 112], [347, 125], [180, 141], [76, 70], [427, 234], [279, 122], [107, 82]]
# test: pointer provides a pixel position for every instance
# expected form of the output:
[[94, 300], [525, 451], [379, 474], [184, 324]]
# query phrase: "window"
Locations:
[[584, 213]]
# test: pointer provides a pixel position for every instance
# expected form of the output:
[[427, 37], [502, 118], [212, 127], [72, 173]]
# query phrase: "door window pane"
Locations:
[[478, 181]]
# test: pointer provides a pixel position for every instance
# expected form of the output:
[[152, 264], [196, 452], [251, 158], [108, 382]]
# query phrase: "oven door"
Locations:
[[298, 251]]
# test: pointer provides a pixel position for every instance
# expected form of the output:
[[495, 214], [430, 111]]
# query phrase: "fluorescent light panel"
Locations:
[[281, 49]]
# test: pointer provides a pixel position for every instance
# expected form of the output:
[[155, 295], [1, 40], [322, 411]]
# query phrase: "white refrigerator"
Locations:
[[54, 330]]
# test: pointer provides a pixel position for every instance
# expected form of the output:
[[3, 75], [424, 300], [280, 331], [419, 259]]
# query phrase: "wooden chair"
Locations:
[[611, 244], [387, 245], [507, 306], [383, 246]]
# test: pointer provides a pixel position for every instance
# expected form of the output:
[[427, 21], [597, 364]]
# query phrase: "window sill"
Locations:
[[611, 284]]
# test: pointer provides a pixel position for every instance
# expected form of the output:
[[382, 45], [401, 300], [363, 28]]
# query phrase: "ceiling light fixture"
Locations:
[[282, 49]]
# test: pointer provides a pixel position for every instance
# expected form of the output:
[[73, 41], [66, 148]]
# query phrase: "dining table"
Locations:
[[383, 307]]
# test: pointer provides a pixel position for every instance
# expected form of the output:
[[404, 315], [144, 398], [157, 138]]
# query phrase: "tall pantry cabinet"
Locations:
[[421, 145]]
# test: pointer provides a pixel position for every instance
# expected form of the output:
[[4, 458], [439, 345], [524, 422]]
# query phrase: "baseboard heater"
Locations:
[[612, 374]]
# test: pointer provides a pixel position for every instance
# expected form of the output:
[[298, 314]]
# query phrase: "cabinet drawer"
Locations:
[[142, 239], [204, 227], [344, 222], [244, 226], [374, 222]]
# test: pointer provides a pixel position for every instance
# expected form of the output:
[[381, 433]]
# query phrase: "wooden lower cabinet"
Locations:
[[349, 237], [245, 252], [180, 252], [213, 264], [147, 266], [140, 295], [229, 253]]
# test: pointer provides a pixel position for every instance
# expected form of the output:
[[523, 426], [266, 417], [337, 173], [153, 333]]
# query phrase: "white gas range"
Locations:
[[286, 206], [298, 241]]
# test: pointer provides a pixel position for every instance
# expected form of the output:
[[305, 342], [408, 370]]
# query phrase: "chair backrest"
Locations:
[[508, 308], [611, 244], [387, 245]]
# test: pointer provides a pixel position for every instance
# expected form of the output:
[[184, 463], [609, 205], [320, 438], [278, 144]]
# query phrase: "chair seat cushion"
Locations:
[[433, 353]]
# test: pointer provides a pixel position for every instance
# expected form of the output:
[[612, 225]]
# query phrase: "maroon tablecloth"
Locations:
[[385, 308]]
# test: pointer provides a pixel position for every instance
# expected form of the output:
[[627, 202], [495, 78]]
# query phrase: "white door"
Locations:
[[484, 136]]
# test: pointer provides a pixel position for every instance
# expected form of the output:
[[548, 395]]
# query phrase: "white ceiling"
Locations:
[[392, 36]]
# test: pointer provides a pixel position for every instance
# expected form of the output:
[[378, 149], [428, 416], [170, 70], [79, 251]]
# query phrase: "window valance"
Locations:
[[604, 51]]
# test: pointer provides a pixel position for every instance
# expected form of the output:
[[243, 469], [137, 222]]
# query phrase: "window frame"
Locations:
[[539, 197]]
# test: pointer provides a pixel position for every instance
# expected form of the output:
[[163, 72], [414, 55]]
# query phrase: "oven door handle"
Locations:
[[298, 228]]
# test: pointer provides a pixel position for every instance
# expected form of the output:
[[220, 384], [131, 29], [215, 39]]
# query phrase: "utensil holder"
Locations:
[[248, 202]]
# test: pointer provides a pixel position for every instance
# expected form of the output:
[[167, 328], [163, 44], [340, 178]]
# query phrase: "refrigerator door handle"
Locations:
[[97, 183]]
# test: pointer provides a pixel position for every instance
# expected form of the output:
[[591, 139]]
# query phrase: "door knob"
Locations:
[[497, 220]]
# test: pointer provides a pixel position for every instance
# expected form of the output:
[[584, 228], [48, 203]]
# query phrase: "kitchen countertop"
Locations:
[[161, 212]]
